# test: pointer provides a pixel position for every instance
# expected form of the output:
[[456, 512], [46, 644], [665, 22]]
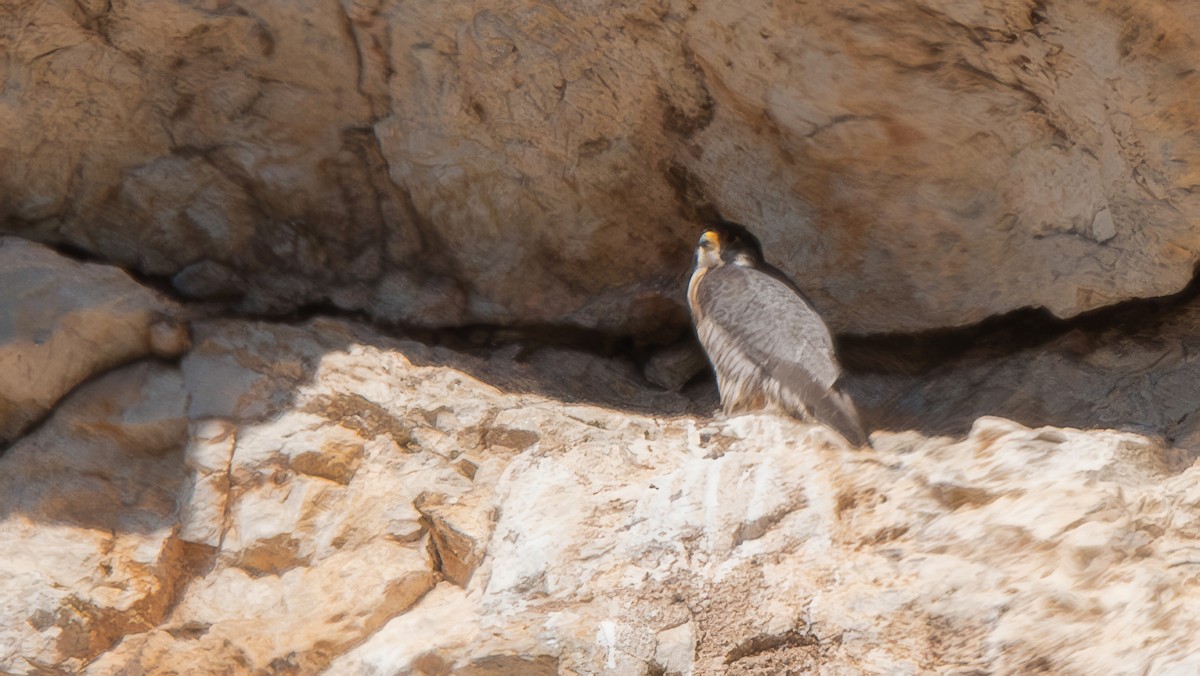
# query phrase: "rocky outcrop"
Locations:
[[320, 497], [1133, 371], [62, 322], [187, 492], [87, 512], [913, 164]]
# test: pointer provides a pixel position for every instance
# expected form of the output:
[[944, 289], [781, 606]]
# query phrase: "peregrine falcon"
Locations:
[[766, 343]]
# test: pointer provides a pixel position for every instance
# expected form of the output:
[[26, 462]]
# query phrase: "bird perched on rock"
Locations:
[[766, 343]]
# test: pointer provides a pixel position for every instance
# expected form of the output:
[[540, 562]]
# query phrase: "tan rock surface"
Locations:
[[772, 549], [913, 163], [87, 517], [1133, 370], [62, 322], [351, 503]]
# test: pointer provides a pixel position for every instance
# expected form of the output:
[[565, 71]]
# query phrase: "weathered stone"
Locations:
[[87, 506], [913, 164], [298, 620], [672, 367], [675, 649], [296, 467], [204, 501], [62, 322], [458, 530], [208, 280], [631, 543], [354, 503], [1136, 374]]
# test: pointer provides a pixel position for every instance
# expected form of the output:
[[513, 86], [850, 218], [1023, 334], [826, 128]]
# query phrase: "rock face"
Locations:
[[1137, 374], [87, 511], [320, 497], [62, 322], [236, 495], [913, 164]]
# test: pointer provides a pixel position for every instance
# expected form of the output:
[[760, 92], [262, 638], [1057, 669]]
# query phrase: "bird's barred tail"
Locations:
[[826, 405], [836, 410]]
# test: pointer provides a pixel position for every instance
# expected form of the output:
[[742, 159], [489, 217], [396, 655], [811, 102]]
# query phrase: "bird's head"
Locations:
[[728, 243]]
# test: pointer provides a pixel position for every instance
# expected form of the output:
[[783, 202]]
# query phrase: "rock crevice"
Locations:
[[320, 496], [912, 165]]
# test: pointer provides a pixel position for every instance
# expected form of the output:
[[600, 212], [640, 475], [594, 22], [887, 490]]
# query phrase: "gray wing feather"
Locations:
[[759, 332]]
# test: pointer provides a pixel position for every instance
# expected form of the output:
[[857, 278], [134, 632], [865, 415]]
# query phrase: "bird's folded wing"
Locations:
[[756, 324], [769, 321]]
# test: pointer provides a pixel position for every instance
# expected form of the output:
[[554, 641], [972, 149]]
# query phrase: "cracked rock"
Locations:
[[319, 496], [87, 515], [914, 164], [459, 529], [62, 322]]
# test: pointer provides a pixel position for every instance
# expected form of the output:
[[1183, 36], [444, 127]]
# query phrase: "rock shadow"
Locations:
[[108, 458], [1133, 367], [569, 365]]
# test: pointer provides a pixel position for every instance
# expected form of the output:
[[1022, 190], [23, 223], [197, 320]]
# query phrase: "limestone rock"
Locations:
[[674, 366], [1134, 373], [923, 555], [204, 501], [62, 322], [87, 508], [319, 497], [307, 490], [912, 164], [458, 533]]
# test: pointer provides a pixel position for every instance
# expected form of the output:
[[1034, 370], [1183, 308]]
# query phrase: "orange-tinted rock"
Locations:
[[913, 163], [62, 322]]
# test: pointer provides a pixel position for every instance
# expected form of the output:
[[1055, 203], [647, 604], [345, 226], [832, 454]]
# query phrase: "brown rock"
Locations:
[[62, 322], [459, 530], [87, 512], [1133, 372], [252, 510], [271, 556], [336, 461], [912, 164], [511, 665], [671, 368]]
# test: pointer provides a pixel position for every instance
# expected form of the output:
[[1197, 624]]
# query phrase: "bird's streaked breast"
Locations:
[[694, 293]]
